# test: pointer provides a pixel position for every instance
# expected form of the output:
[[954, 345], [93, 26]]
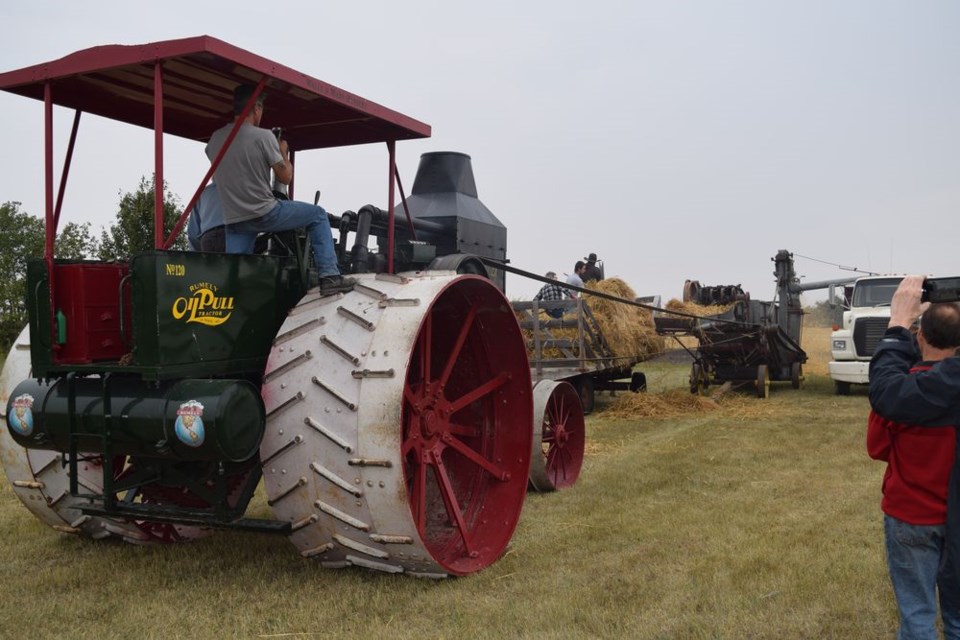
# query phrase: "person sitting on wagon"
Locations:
[[550, 292], [249, 205]]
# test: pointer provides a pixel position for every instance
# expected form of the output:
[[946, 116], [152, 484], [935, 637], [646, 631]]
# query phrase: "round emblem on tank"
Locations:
[[21, 414], [189, 425]]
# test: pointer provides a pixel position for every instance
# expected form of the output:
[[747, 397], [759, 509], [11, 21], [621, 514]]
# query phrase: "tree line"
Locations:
[[24, 235]]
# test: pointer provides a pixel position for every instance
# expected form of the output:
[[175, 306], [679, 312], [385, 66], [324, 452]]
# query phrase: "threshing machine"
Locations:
[[751, 341], [391, 425]]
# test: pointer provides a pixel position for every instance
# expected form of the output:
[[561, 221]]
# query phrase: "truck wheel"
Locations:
[[39, 478], [843, 388], [398, 424], [558, 436]]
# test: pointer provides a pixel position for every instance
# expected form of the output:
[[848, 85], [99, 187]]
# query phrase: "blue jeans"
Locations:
[[918, 567], [286, 216]]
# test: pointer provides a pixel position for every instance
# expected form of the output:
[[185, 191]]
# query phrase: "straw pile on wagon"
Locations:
[[627, 330]]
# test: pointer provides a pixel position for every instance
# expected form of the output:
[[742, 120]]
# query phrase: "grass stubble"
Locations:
[[740, 518]]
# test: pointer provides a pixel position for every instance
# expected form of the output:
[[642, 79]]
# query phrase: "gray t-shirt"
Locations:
[[243, 176]]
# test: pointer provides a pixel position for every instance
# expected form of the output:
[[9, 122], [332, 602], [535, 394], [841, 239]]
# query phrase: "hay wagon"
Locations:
[[573, 348]]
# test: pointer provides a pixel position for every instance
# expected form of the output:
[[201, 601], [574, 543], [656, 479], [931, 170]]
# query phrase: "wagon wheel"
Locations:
[[699, 379], [763, 382], [796, 375], [587, 392], [398, 424], [558, 436]]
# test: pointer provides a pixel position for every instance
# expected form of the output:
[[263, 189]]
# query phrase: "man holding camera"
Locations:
[[249, 205], [923, 547]]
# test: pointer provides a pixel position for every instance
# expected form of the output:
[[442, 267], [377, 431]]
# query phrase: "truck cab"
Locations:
[[863, 325]]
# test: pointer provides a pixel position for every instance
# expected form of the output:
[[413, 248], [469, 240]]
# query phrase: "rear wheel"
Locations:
[[398, 424], [843, 388], [558, 436]]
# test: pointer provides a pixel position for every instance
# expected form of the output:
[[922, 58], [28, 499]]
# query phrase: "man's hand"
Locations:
[[905, 307], [283, 170]]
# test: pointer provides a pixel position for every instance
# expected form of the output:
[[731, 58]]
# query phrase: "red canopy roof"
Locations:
[[199, 74]]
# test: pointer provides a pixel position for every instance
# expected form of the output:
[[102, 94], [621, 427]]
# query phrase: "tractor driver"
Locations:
[[249, 206]]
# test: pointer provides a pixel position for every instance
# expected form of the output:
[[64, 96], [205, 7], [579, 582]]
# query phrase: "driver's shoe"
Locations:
[[330, 285]]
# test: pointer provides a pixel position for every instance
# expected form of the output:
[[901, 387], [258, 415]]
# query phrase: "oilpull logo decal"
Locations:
[[203, 305]]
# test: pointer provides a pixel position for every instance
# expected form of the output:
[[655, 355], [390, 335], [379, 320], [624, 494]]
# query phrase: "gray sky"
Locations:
[[674, 139]]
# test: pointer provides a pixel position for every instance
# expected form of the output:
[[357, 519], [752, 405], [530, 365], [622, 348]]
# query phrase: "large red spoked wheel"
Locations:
[[459, 437], [558, 436], [398, 424]]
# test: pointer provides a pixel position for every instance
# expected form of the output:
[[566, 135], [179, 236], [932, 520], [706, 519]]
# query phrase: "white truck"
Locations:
[[864, 323]]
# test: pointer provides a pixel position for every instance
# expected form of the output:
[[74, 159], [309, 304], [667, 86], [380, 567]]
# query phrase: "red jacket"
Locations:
[[918, 466]]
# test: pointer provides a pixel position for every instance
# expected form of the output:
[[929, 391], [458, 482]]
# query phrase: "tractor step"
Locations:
[[154, 513]]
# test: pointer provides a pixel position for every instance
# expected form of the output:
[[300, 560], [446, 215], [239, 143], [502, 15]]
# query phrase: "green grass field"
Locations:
[[759, 519]]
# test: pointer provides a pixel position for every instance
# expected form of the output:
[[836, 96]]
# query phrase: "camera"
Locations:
[[941, 290]]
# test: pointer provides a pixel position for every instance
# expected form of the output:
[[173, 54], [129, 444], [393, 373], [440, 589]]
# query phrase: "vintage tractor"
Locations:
[[391, 425]]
